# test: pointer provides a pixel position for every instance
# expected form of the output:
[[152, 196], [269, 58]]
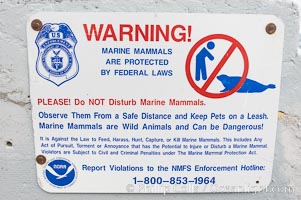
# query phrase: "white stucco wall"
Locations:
[[17, 160]]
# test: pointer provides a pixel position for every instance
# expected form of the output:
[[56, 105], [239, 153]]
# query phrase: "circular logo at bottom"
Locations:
[[60, 172]]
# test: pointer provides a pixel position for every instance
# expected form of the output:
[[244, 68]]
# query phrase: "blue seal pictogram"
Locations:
[[56, 60], [60, 173]]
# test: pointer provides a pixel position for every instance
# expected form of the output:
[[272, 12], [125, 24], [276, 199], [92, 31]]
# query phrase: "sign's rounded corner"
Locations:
[[278, 21], [42, 187], [268, 182], [34, 15]]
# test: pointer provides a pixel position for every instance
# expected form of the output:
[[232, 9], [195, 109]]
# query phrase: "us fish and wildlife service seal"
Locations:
[[56, 60]]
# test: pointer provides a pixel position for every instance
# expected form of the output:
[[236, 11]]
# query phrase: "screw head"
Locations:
[[270, 28], [36, 24], [41, 159]]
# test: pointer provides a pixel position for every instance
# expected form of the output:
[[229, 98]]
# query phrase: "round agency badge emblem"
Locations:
[[60, 173], [56, 59]]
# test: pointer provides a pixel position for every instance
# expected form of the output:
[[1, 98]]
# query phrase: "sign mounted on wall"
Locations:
[[154, 102]]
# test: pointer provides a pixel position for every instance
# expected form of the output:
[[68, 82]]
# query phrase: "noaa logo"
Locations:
[[60, 173], [56, 60]]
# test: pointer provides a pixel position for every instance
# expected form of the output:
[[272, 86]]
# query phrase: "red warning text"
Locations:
[[129, 32], [54, 102]]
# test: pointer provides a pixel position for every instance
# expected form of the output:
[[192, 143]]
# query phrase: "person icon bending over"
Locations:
[[201, 61]]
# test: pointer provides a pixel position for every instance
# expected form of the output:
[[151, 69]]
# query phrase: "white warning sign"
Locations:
[[154, 102]]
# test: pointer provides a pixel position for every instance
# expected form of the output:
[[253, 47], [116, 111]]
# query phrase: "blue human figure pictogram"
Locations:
[[201, 61]]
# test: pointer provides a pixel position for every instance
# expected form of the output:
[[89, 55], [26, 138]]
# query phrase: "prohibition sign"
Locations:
[[234, 44]]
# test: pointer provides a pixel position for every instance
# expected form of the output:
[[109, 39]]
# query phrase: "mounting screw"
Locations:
[[270, 28], [36, 24], [41, 159]]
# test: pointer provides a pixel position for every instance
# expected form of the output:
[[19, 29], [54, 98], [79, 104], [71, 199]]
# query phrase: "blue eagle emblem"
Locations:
[[56, 60]]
